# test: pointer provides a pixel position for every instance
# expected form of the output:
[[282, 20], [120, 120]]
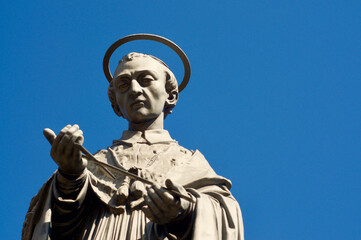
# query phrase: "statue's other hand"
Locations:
[[162, 207], [63, 151]]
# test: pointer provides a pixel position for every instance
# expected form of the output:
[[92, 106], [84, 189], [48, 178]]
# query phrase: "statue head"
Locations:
[[143, 87]]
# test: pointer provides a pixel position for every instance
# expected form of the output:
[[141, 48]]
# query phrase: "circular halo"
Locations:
[[152, 37]]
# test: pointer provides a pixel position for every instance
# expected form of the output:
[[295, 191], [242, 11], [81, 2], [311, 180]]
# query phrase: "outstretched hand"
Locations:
[[63, 151], [161, 206]]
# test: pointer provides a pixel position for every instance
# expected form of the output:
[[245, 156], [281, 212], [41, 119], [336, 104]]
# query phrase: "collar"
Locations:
[[148, 136]]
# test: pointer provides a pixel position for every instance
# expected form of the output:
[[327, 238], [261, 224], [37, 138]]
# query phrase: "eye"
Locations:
[[123, 84], [146, 79]]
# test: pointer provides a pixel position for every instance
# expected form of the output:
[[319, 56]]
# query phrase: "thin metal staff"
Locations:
[[90, 157]]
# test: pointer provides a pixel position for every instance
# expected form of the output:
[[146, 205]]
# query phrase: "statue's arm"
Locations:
[[69, 203], [216, 214], [70, 187]]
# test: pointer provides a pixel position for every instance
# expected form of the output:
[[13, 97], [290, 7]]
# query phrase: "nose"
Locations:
[[135, 88]]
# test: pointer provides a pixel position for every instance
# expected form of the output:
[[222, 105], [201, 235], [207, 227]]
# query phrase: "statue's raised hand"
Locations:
[[63, 151], [162, 207]]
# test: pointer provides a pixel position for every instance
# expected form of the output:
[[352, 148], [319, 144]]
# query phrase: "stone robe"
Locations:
[[93, 206]]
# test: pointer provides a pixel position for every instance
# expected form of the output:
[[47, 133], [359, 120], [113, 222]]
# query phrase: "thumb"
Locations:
[[50, 135], [175, 186]]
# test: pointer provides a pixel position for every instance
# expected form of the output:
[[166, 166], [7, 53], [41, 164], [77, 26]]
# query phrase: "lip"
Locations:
[[137, 103]]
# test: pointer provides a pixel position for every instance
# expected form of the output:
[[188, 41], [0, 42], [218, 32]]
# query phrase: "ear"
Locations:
[[112, 99], [172, 98]]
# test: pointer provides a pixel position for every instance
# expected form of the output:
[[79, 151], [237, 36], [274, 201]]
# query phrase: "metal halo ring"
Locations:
[[152, 37]]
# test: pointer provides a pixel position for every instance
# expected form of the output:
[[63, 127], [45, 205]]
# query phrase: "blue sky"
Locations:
[[273, 102]]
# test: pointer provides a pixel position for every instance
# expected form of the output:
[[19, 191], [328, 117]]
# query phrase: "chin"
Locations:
[[141, 117]]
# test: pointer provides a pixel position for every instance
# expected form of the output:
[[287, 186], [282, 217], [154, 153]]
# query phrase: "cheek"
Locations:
[[120, 100], [159, 98], [158, 91]]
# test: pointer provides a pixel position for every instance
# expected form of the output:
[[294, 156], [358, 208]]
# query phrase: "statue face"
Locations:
[[139, 87]]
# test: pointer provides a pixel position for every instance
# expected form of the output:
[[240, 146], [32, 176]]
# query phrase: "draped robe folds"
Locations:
[[88, 207]]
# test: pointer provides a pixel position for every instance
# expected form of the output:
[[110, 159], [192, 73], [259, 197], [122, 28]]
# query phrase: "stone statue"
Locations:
[[83, 200]]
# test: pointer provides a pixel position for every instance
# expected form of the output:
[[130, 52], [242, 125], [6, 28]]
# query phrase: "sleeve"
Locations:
[[60, 199], [68, 204], [180, 228], [38, 212], [216, 214]]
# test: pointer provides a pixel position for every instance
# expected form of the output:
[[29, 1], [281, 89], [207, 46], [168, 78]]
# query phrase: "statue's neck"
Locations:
[[157, 123]]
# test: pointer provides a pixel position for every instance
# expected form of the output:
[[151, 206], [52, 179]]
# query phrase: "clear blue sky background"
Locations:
[[273, 102]]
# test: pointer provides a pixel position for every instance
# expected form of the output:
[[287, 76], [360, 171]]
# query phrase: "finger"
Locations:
[[70, 149], [149, 214], [164, 194], [64, 145], [78, 138], [72, 130], [175, 186], [76, 152], [76, 155], [54, 149], [67, 143], [153, 208], [158, 201], [180, 203], [49, 135]]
